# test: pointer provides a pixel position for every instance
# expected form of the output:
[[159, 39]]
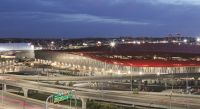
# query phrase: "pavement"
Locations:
[[12, 101], [155, 100], [149, 99]]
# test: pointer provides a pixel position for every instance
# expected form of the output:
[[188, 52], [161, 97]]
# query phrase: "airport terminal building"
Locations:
[[17, 50], [134, 62]]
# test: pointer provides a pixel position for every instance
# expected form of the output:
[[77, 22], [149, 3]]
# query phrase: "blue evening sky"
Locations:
[[98, 18]]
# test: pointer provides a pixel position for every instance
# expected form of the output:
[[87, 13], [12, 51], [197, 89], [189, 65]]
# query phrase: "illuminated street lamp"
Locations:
[[185, 40], [154, 57], [140, 73], [32, 47], [52, 42], [138, 42], [99, 42], [198, 39], [129, 72], [118, 72], [85, 44], [84, 67], [112, 44], [158, 73]]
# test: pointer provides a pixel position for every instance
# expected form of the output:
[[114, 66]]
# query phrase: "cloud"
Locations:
[[110, 16], [170, 2], [46, 2], [95, 19], [61, 17], [175, 2]]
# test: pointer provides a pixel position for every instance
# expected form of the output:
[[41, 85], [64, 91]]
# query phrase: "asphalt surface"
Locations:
[[11, 101], [152, 100]]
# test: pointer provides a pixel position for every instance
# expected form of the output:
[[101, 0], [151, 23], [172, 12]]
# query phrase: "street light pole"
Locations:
[[2, 91], [172, 78], [75, 98], [47, 101], [70, 104], [131, 82], [187, 85]]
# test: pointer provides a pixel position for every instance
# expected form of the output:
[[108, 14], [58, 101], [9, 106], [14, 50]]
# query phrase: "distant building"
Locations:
[[17, 50], [134, 59]]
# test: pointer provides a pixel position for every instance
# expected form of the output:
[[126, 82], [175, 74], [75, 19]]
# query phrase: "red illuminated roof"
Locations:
[[162, 50], [145, 63]]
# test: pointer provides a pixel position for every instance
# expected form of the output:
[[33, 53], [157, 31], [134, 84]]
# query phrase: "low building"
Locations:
[[17, 51]]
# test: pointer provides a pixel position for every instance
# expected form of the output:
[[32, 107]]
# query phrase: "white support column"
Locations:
[[25, 90], [84, 102], [140, 84], [4, 87], [196, 81], [165, 82]]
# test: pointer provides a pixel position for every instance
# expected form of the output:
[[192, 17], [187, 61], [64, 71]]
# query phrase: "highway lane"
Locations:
[[104, 78], [12, 101], [15, 102], [125, 98], [140, 99]]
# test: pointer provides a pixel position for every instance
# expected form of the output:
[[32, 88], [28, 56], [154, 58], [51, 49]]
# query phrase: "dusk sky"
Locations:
[[98, 18]]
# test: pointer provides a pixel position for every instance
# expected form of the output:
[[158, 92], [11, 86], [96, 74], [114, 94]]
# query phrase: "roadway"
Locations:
[[103, 78], [12, 101], [163, 101]]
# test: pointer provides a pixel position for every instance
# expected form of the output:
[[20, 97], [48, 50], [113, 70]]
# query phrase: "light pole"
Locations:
[[75, 99], [38, 78], [46, 107], [131, 82], [172, 79], [187, 85], [2, 91], [70, 104], [158, 74]]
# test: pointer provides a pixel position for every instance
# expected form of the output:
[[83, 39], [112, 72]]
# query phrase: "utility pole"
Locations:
[[172, 78], [2, 91], [46, 107]]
